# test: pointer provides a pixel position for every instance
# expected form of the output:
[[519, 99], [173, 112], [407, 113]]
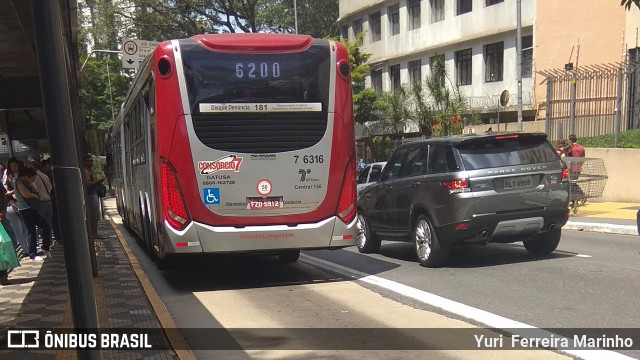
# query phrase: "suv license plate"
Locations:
[[264, 203], [517, 182]]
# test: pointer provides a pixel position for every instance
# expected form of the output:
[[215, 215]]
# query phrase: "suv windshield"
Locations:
[[505, 151]]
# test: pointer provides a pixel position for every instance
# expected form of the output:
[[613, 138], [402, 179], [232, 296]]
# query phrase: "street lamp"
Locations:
[[113, 115]]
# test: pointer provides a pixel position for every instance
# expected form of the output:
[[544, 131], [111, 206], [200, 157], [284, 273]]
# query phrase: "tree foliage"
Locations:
[[628, 3], [104, 23]]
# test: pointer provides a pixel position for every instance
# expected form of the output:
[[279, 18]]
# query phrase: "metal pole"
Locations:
[[295, 14], [616, 132], [56, 92], [572, 106], [113, 115], [547, 116], [519, 52]]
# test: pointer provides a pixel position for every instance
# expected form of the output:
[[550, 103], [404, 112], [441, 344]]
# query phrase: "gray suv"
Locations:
[[466, 189]]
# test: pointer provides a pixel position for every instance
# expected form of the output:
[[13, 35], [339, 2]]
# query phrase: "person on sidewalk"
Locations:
[[575, 150], [90, 194], [45, 167], [43, 187], [13, 215], [4, 274], [26, 199]]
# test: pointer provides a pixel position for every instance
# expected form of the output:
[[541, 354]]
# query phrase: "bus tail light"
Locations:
[[174, 207], [347, 202]]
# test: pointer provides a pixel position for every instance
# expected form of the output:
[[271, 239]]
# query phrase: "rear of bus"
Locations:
[[257, 154]]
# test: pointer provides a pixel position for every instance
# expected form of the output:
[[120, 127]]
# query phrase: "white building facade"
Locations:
[[476, 37]]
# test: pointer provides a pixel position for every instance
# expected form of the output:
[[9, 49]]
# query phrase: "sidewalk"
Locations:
[[39, 296], [605, 217], [39, 299]]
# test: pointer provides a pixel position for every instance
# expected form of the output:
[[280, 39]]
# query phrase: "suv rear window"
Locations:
[[505, 151]]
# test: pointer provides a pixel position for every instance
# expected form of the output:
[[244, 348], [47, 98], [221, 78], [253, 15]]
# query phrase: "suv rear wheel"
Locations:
[[430, 251], [367, 242], [544, 243]]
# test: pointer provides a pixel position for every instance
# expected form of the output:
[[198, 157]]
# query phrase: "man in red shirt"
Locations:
[[575, 150]]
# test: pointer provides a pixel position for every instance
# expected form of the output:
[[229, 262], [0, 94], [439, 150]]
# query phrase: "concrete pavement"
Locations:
[[39, 297], [605, 217]]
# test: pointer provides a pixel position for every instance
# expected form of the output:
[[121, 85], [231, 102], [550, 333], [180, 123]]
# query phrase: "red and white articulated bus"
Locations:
[[238, 143]]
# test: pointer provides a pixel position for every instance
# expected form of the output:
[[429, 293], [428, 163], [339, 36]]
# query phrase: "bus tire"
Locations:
[[289, 256], [366, 241]]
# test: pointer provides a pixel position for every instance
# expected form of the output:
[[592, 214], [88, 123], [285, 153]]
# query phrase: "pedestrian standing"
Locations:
[[26, 198], [6, 224], [13, 215], [45, 167], [43, 187], [90, 194], [575, 150]]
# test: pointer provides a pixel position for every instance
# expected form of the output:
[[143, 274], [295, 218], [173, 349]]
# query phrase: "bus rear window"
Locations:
[[498, 152], [258, 78]]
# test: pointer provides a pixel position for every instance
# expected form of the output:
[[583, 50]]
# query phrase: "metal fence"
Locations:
[[593, 100]]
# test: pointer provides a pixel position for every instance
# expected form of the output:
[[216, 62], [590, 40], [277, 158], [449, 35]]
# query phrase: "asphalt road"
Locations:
[[589, 282]]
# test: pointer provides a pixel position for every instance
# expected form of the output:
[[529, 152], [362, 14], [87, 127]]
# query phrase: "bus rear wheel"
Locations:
[[289, 256]]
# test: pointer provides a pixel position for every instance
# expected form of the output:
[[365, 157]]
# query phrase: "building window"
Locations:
[[376, 80], [344, 32], [527, 56], [357, 29], [493, 59], [393, 13], [394, 76], [464, 6], [413, 12], [436, 65], [437, 10], [463, 67], [374, 26], [415, 71], [493, 2]]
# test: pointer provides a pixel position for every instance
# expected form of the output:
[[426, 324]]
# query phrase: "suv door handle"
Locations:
[[415, 184]]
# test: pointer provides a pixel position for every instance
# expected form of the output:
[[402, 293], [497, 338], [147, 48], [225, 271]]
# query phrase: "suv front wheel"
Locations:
[[430, 251], [367, 241], [544, 243]]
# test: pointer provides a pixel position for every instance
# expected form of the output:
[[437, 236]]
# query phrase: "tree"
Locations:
[[367, 103], [317, 18], [627, 3], [397, 110], [438, 108]]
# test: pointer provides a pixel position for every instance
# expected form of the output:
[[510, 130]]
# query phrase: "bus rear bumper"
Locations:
[[203, 238]]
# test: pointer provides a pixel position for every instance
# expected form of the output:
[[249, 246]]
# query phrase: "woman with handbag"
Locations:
[[13, 215], [28, 202]]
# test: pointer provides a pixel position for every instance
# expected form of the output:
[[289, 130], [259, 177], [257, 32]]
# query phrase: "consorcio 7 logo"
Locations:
[[226, 163]]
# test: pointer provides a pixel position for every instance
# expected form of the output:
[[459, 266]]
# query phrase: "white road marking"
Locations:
[[484, 317], [583, 256]]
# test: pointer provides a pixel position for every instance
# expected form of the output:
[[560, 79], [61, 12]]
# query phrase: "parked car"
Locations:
[[370, 174], [466, 189]]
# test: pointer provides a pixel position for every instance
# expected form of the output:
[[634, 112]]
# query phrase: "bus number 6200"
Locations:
[[252, 70]]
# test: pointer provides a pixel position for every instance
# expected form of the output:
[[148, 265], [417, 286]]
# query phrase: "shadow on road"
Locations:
[[473, 256]]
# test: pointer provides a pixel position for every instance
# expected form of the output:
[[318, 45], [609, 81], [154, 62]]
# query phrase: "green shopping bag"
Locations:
[[8, 257]]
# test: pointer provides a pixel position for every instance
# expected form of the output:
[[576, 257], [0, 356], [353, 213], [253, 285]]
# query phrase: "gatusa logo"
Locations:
[[227, 163]]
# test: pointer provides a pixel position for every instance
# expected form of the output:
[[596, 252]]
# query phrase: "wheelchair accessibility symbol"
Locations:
[[211, 196]]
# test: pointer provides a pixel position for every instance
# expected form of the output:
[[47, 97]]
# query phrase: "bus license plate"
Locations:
[[259, 203], [519, 182]]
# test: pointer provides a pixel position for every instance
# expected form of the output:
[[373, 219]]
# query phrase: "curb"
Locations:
[[602, 227]]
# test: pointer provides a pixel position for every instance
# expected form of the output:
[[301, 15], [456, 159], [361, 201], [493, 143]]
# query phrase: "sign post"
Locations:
[[134, 52]]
